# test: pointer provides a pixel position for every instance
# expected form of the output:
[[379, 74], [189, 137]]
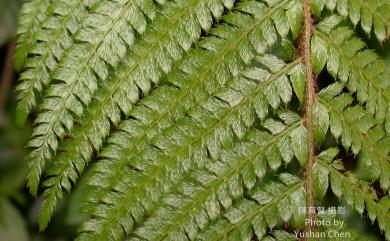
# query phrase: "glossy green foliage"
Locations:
[[52, 39], [371, 15], [357, 193], [186, 116]]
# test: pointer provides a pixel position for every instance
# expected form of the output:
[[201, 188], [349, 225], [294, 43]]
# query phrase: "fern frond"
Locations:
[[360, 69], [193, 87], [45, 141], [192, 109], [53, 39], [358, 194], [101, 43], [271, 201], [372, 15], [205, 129], [174, 30], [357, 130], [214, 188], [32, 14]]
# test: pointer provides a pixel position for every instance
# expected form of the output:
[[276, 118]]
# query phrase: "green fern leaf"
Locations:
[[359, 68], [76, 73], [372, 15], [357, 130], [359, 195], [178, 102], [53, 39], [206, 119], [218, 184], [238, 221], [33, 13], [176, 151], [95, 125]]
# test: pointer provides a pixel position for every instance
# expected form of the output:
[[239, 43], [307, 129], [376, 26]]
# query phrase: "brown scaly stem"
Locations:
[[308, 106]]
